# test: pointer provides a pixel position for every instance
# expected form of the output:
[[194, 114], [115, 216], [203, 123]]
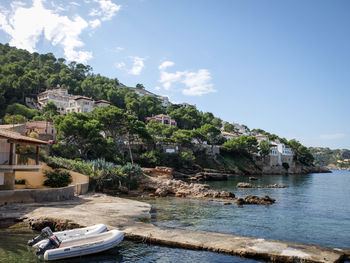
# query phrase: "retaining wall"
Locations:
[[38, 195]]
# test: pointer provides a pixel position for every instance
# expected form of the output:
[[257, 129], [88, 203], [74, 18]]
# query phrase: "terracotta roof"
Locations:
[[162, 115], [83, 98], [15, 136], [102, 101], [229, 134]]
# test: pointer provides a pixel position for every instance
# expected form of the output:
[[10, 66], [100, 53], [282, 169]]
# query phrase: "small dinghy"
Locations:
[[80, 246], [67, 234]]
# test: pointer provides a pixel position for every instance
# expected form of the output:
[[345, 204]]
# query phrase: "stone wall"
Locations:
[[36, 195]]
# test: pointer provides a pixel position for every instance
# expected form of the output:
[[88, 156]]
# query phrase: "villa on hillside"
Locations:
[[229, 135], [163, 119], [67, 103], [142, 92]]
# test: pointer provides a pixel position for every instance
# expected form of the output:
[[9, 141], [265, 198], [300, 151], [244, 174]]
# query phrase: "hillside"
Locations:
[[120, 133], [326, 156]]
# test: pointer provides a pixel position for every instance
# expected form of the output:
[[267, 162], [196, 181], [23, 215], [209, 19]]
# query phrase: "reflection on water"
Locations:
[[314, 209]]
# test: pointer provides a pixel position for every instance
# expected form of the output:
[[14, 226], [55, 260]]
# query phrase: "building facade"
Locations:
[[67, 103], [163, 119]]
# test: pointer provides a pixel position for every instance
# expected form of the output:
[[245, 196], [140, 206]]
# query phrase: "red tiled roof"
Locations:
[[19, 138], [102, 101], [83, 98]]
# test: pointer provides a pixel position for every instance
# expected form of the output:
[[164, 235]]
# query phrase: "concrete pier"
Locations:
[[133, 218]]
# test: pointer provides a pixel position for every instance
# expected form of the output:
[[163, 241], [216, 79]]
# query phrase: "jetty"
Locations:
[[133, 217]]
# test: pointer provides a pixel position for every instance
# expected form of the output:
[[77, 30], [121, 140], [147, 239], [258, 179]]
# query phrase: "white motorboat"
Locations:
[[85, 245], [67, 234]]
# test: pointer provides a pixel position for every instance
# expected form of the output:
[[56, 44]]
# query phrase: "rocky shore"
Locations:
[[163, 187]]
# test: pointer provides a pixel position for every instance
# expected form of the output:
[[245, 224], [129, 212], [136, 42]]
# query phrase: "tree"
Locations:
[[19, 109], [14, 119], [182, 137], [149, 106], [217, 122], [209, 132], [112, 119], [264, 148], [82, 133], [243, 143], [301, 153], [155, 128], [187, 118], [132, 128], [229, 127], [140, 86]]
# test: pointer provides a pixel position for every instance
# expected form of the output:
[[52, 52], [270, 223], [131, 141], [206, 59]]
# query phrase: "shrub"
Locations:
[[57, 178], [21, 181]]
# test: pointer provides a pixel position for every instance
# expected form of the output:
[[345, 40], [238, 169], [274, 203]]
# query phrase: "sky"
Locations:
[[282, 66]]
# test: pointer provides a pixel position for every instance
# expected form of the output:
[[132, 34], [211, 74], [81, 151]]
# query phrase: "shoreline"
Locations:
[[132, 216]]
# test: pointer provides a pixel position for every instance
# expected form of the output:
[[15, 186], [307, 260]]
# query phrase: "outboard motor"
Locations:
[[51, 243], [45, 233]]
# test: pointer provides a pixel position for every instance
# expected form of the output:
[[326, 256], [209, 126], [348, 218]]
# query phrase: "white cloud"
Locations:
[[75, 3], [107, 9], [167, 79], [157, 88], [197, 83], [333, 136], [138, 65], [165, 65], [95, 23], [26, 25], [120, 65]]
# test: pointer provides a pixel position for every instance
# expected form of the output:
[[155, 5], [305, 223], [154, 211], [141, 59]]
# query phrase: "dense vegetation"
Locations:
[[116, 134]]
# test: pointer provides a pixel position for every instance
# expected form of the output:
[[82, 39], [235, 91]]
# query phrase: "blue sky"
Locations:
[[283, 66]]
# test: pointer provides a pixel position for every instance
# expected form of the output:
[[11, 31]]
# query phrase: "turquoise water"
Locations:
[[314, 209]]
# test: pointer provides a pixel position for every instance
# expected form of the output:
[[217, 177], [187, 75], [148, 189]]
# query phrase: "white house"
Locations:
[[262, 137], [67, 103], [283, 153]]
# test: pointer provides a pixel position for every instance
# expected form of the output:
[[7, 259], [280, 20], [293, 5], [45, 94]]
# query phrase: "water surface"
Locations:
[[314, 209]]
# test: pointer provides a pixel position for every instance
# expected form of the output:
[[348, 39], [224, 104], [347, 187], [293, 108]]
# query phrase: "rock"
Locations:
[[162, 192], [248, 185], [252, 178], [227, 203], [158, 171], [240, 201], [256, 200], [245, 185]]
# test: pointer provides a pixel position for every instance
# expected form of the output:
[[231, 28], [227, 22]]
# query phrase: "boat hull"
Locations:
[[85, 245], [76, 233]]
